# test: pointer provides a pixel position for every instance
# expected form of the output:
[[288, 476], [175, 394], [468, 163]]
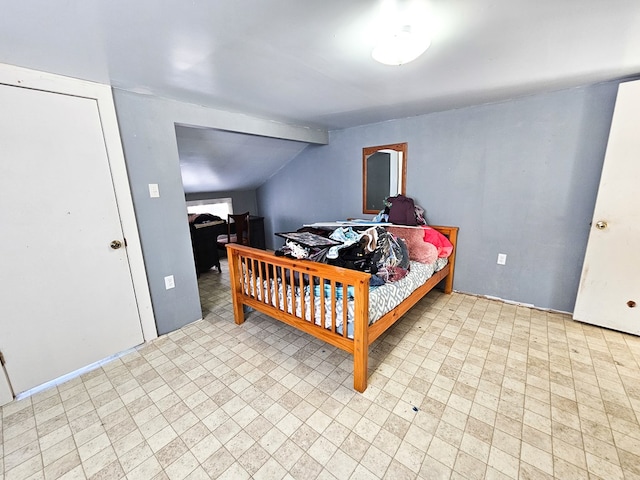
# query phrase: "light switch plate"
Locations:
[[502, 259], [154, 191], [169, 282]]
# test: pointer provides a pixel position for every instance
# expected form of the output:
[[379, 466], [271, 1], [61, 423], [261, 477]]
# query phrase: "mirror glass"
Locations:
[[384, 172]]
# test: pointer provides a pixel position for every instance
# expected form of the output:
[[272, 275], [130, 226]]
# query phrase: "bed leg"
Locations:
[[236, 294], [360, 361], [448, 281], [238, 313], [361, 338]]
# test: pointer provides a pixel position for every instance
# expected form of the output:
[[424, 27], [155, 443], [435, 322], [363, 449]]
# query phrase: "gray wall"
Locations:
[[147, 128], [518, 177]]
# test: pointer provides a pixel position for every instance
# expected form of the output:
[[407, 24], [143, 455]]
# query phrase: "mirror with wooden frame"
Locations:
[[384, 174]]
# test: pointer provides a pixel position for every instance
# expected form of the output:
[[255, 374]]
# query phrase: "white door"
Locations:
[[67, 295], [609, 293]]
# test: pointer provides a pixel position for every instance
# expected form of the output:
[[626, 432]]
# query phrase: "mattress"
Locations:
[[382, 299]]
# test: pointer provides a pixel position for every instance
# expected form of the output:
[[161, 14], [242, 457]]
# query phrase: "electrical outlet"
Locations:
[[169, 282], [502, 259]]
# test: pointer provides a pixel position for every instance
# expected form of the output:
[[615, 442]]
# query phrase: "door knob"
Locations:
[[601, 225], [116, 244]]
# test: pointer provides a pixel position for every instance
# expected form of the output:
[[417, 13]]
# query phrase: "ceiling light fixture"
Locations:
[[401, 46]]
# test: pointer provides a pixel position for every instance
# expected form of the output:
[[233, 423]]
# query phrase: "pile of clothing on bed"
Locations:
[[384, 252], [368, 249]]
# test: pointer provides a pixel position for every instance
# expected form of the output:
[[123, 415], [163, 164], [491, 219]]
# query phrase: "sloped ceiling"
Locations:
[[308, 62], [209, 158]]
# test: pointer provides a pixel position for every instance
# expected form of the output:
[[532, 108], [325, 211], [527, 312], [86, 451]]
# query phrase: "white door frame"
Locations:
[[22, 77]]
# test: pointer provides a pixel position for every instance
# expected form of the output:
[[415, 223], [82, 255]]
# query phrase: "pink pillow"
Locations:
[[442, 243], [419, 250]]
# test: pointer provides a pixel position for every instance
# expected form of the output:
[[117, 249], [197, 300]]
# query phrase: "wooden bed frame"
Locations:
[[248, 266]]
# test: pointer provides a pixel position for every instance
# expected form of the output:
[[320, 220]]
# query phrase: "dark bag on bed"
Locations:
[[355, 257], [402, 210]]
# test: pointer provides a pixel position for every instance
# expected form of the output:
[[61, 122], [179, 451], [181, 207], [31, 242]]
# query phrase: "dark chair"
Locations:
[[237, 230]]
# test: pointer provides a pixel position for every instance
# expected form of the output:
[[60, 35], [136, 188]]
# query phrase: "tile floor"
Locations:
[[461, 388]]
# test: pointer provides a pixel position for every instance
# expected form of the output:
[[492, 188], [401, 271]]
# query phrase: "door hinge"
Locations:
[[2, 362]]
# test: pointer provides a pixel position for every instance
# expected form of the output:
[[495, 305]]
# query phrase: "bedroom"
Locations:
[[500, 142], [505, 142]]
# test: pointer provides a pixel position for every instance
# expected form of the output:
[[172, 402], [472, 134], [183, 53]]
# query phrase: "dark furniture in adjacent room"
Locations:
[[255, 234], [205, 230], [256, 230], [237, 230]]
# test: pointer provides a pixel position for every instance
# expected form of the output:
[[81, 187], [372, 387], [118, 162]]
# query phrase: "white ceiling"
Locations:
[[308, 62]]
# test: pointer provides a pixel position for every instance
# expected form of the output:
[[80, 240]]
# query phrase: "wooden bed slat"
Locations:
[[332, 296]]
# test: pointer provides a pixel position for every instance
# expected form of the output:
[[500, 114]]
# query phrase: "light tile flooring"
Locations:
[[462, 388]]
